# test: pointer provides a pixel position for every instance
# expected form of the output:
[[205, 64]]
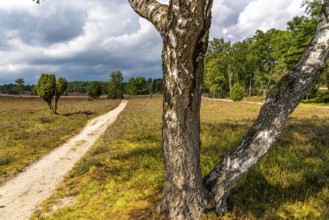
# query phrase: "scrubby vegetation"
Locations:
[[94, 90], [237, 92], [116, 85], [122, 176], [28, 131]]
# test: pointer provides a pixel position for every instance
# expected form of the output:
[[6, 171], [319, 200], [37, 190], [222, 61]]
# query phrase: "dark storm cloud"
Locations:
[[62, 25], [89, 40]]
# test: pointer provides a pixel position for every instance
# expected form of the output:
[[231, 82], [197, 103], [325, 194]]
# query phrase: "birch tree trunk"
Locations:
[[184, 28], [279, 104]]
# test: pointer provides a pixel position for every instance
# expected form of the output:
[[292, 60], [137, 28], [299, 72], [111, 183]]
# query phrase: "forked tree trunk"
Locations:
[[51, 109], [279, 104], [183, 53], [184, 27]]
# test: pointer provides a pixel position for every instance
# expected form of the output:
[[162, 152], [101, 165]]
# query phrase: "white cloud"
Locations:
[[90, 40], [11, 5], [220, 12], [266, 14]]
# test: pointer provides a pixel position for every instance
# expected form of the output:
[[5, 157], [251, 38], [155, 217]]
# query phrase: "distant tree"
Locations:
[[104, 86], [78, 86], [137, 86], [215, 80], [19, 85], [94, 90], [218, 74], [61, 86], [237, 92], [313, 7], [28, 87], [34, 90], [150, 86], [7, 88], [157, 85], [302, 29], [116, 86], [46, 89]]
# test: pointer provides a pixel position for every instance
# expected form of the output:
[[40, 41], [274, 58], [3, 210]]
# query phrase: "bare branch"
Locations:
[[153, 11], [280, 103]]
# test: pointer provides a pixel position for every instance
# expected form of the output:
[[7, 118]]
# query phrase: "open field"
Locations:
[[28, 131], [122, 176]]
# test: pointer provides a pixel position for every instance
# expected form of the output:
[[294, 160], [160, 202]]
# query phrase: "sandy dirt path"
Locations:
[[20, 196]]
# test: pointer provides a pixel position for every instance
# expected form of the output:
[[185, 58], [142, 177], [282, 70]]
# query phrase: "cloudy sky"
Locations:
[[89, 39]]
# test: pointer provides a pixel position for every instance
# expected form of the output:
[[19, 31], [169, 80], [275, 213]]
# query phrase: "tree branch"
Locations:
[[279, 104], [153, 11]]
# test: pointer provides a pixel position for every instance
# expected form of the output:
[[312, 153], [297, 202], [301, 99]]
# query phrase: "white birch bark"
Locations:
[[279, 104], [184, 27]]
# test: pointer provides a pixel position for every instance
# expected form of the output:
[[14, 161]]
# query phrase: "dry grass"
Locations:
[[28, 131], [122, 176]]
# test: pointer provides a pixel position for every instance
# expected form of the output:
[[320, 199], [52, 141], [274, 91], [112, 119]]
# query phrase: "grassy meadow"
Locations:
[[122, 176], [28, 131]]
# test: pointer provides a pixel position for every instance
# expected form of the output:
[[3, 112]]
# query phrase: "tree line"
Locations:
[[255, 65], [116, 87], [134, 86], [16, 88], [184, 27]]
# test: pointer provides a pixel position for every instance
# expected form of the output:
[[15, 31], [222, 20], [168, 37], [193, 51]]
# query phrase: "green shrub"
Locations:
[[116, 86], [94, 90], [321, 97], [46, 89], [237, 92]]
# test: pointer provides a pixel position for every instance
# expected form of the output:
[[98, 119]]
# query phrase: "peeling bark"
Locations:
[[184, 27], [279, 104], [185, 45], [152, 11]]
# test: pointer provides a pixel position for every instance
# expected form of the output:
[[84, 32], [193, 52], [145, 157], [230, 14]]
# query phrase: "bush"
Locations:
[[94, 90], [321, 97], [116, 86], [237, 92]]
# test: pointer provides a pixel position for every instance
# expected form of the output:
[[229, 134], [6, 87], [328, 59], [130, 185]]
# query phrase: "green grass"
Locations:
[[122, 176], [321, 97], [28, 131]]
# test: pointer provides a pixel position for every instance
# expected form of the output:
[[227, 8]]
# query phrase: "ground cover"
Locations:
[[28, 131], [122, 176]]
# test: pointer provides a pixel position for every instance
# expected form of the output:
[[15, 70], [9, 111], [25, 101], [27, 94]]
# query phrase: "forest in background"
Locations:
[[253, 65], [257, 63], [134, 86]]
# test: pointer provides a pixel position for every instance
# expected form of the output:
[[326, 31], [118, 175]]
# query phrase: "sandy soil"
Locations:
[[20, 196]]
